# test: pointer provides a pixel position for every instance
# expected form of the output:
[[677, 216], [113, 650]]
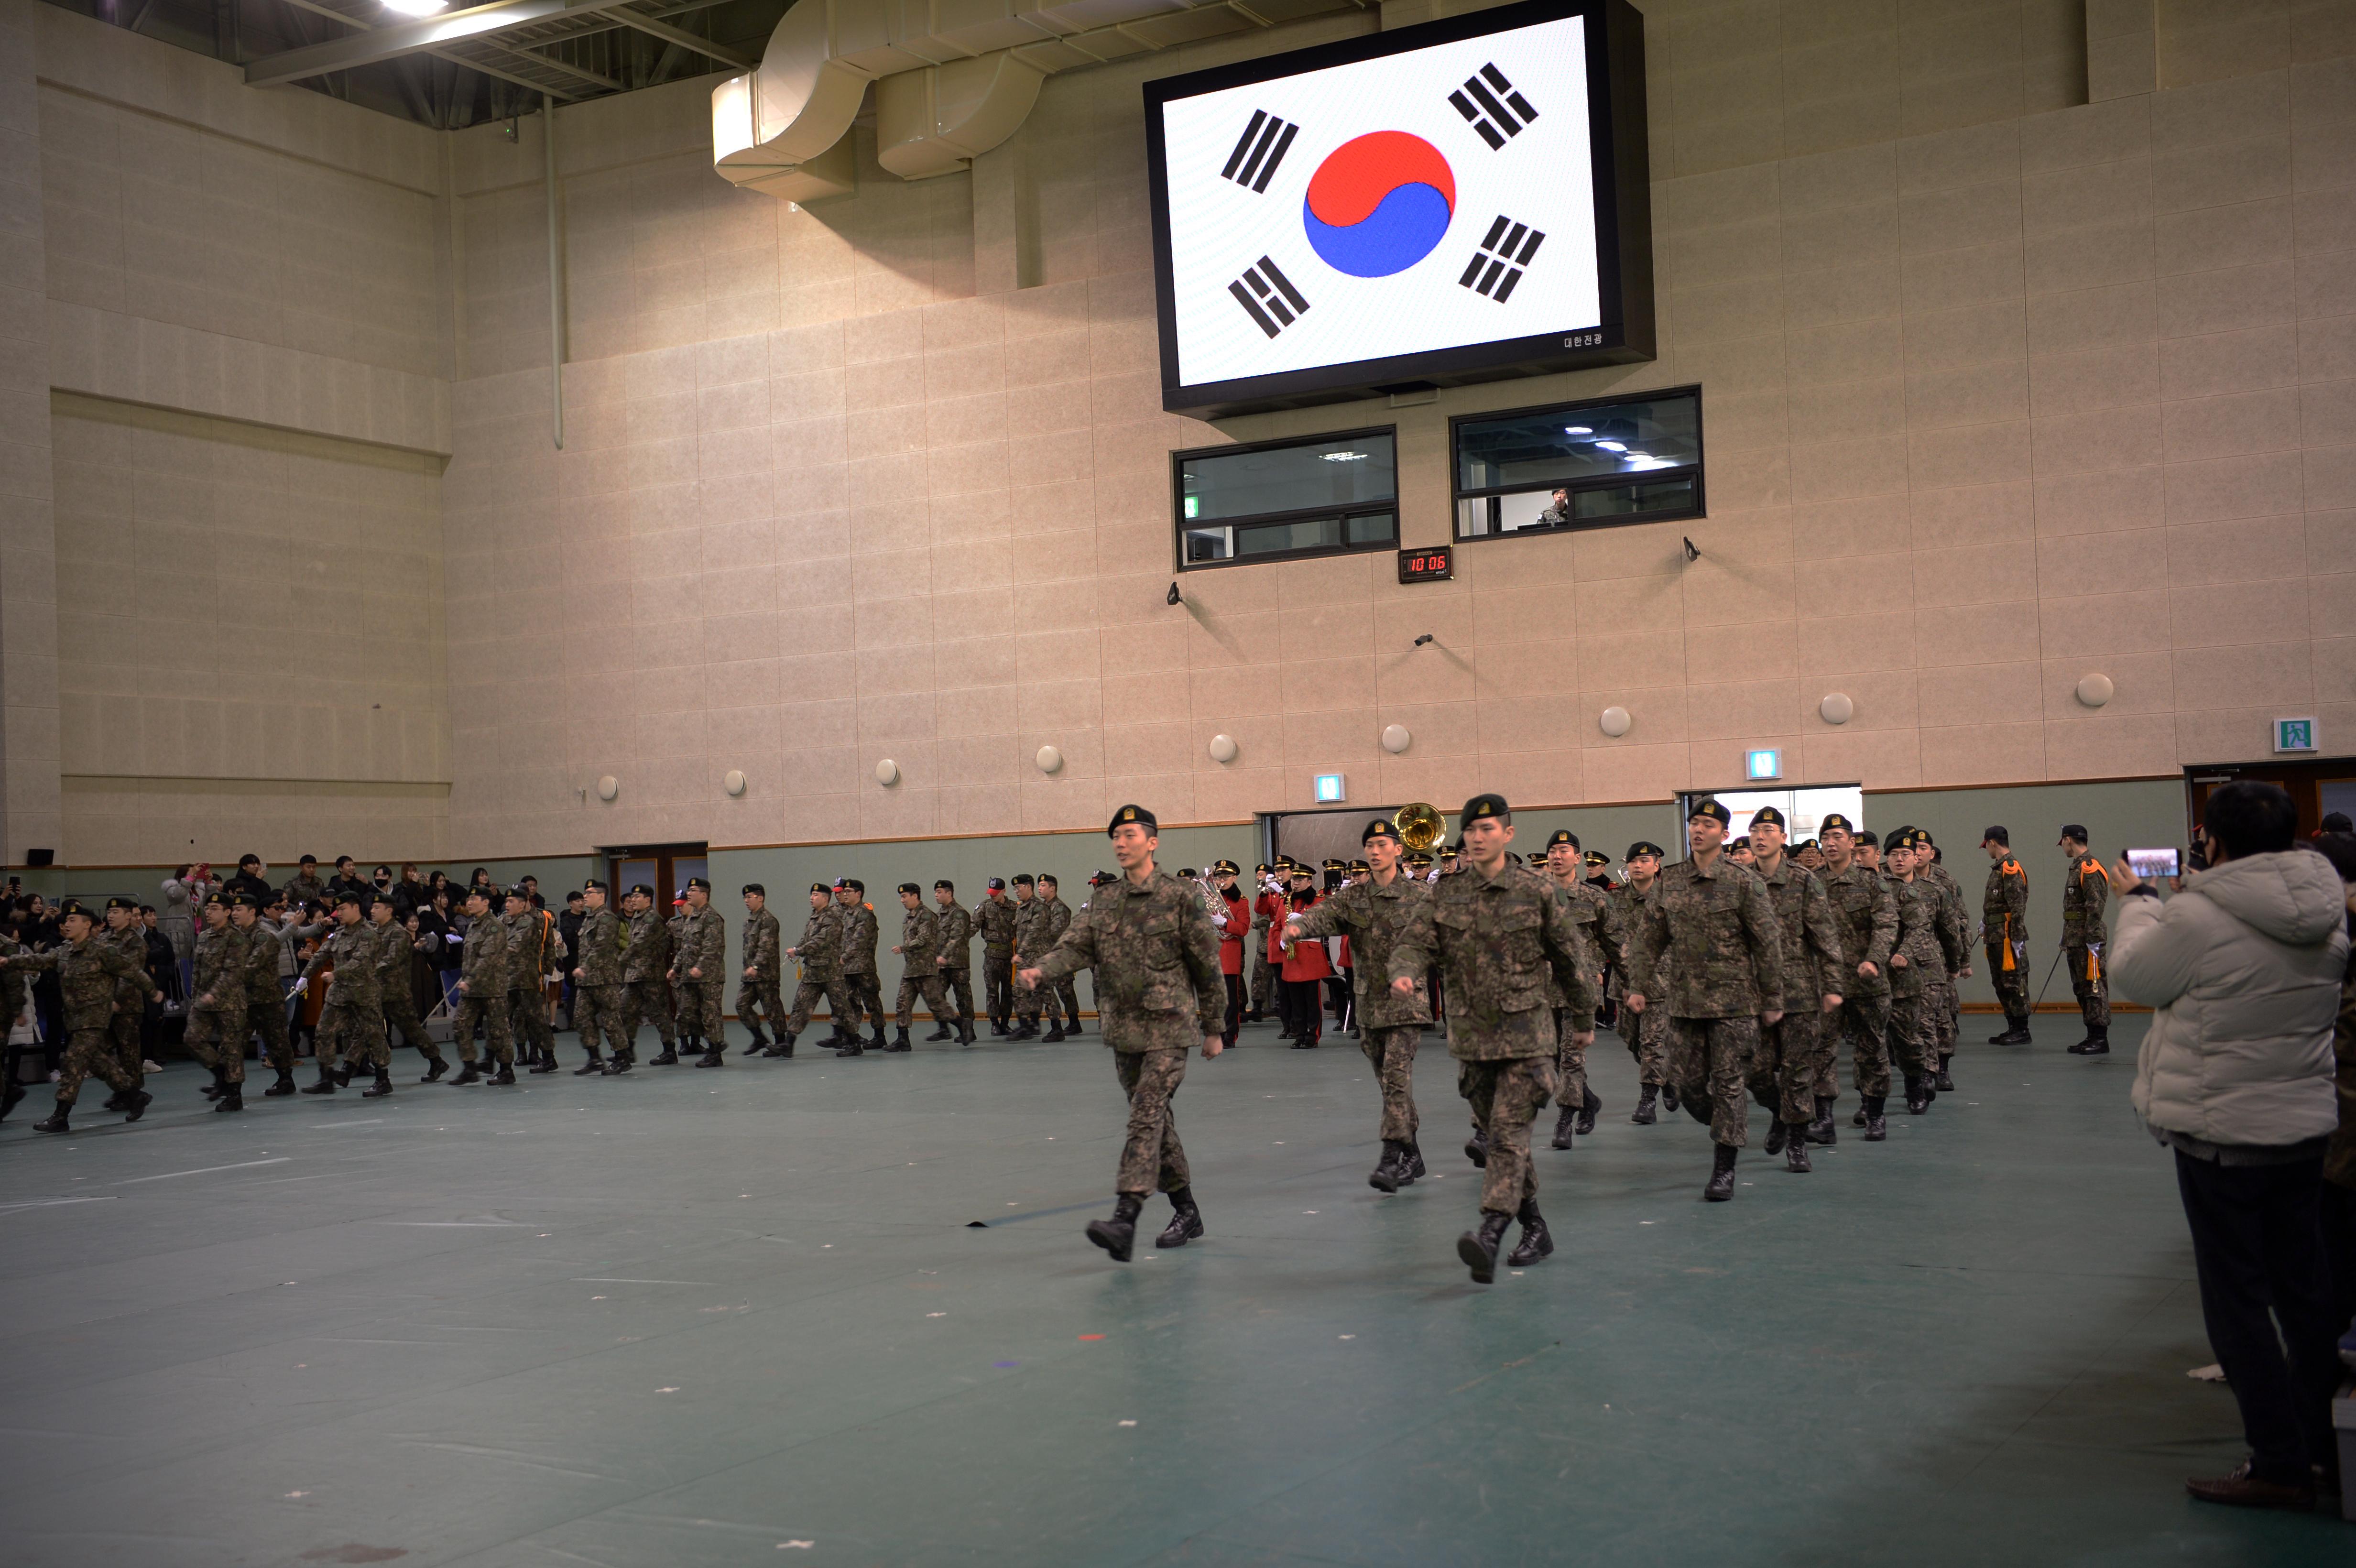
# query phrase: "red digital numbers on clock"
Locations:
[[1435, 565]]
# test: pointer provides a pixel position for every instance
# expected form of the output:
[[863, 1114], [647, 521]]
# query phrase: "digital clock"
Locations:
[[1437, 564]]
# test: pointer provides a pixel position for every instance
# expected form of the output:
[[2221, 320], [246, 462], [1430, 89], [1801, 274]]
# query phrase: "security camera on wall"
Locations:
[[1458, 202]]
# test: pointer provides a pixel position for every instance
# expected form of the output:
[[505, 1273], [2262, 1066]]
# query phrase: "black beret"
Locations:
[[349, 896], [1136, 814], [1562, 836], [1710, 805], [520, 891], [1643, 847], [857, 886], [754, 888], [1380, 827], [74, 906], [945, 882], [217, 901], [639, 890], [1866, 840], [1768, 814], [1022, 878], [1898, 833], [592, 882], [694, 882], [1481, 806], [1742, 843], [119, 901], [1997, 835], [1833, 820], [821, 887], [912, 887], [1923, 836], [242, 901]]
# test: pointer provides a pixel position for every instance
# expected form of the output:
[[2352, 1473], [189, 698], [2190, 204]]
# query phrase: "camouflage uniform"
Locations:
[[301, 891], [702, 944], [394, 947], [2084, 892], [483, 968], [1390, 1026], [1496, 940], [759, 995], [1646, 1034], [351, 1019], [1264, 974], [1931, 938], [598, 1011], [819, 952], [1029, 921], [994, 920], [1719, 926], [646, 954], [129, 997], [2004, 920], [1062, 1000], [531, 938], [265, 998], [860, 936], [1159, 993], [1797, 1053], [91, 974], [1587, 907], [1866, 913], [956, 960], [920, 967], [1943, 1004], [216, 1032]]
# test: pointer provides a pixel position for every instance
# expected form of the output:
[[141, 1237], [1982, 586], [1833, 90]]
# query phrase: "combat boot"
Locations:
[[506, 1074], [232, 1098], [1536, 1241], [997, 1028], [1117, 1235], [214, 1090], [280, 1090], [343, 1074], [57, 1121], [710, 1058], [1384, 1178], [622, 1063], [900, 1041], [381, 1087], [1876, 1128], [1587, 1106], [1918, 1099], [1563, 1123], [783, 1048], [1721, 1175], [1476, 1149], [119, 1100], [667, 1057], [1857, 1119], [1644, 1115], [940, 1032], [433, 1073], [2016, 1033], [1185, 1221], [327, 1083], [1055, 1035], [1776, 1134], [547, 1063], [1669, 1097], [2097, 1043], [965, 1032], [1411, 1163], [1478, 1248], [1946, 1084], [1796, 1148], [137, 1107], [1821, 1130], [877, 1043], [471, 1073], [592, 1068], [849, 1045], [760, 1040]]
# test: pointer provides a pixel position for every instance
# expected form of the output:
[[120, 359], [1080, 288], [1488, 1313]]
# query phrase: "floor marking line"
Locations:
[[1039, 1214], [53, 1202], [460, 1224], [594, 1279], [205, 1170]]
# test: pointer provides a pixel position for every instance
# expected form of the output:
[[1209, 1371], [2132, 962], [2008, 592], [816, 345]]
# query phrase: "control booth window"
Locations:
[[1579, 466], [1330, 495]]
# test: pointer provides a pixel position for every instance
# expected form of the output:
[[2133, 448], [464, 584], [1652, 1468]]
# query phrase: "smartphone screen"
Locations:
[[2154, 864]]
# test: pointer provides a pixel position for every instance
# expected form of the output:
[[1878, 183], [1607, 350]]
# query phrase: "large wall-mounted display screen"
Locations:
[[1457, 201]]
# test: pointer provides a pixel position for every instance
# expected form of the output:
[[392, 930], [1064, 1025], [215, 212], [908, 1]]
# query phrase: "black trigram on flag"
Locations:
[[1269, 297], [1258, 150], [1490, 103], [1497, 266]]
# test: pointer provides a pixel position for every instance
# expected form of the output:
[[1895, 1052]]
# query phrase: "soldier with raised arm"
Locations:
[[820, 954]]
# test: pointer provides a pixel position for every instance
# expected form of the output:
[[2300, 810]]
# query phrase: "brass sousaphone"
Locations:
[[1420, 826]]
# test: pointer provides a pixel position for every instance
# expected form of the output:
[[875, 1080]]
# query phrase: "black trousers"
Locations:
[[2339, 1249], [1304, 1009], [1235, 1007], [2257, 1244]]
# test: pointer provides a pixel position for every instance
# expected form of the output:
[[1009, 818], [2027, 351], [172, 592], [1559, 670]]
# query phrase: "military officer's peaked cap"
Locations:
[[1484, 805], [821, 887], [1562, 836], [1997, 835], [2076, 830], [996, 884], [694, 882], [1834, 819], [1359, 867], [1768, 814], [1333, 865], [753, 887], [1229, 867], [1643, 847], [1380, 827], [912, 887], [1709, 806], [74, 906], [1597, 857], [1136, 814], [1103, 879]]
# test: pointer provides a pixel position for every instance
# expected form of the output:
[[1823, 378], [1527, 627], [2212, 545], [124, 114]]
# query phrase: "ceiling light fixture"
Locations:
[[418, 7], [1578, 429], [1345, 457], [1611, 445]]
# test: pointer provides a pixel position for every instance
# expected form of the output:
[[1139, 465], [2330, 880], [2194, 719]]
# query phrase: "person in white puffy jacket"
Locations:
[[2244, 970]]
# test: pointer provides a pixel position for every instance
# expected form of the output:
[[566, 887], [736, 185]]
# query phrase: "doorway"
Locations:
[[2316, 787], [662, 867]]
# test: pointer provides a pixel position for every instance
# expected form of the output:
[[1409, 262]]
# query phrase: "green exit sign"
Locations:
[[2293, 735]]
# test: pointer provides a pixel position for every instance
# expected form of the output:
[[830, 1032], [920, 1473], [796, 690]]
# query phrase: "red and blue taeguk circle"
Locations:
[[1379, 204]]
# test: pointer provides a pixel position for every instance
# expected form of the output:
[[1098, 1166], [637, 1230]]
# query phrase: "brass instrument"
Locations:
[[1420, 826]]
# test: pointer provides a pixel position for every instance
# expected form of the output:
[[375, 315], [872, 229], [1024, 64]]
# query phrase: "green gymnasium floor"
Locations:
[[739, 1316]]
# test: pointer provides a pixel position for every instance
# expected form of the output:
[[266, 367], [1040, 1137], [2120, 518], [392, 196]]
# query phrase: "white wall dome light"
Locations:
[[2094, 691], [1614, 721], [1396, 738], [1049, 760], [887, 772], [1224, 748], [1837, 708]]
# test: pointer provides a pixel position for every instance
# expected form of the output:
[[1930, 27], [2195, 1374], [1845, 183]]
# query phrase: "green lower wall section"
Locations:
[[2140, 813]]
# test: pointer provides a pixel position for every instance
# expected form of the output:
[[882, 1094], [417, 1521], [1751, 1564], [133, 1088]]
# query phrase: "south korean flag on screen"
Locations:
[[1425, 200]]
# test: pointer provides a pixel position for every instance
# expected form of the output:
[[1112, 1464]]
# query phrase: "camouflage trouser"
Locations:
[[352, 1031], [216, 1037], [1793, 1055], [1263, 974], [867, 995], [528, 1020], [90, 1053], [998, 982], [597, 1016], [809, 993], [1507, 1097], [959, 985], [2091, 984], [491, 1014], [929, 986], [699, 1011], [267, 1018], [1647, 1036], [401, 1014], [1940, 999], [1569, 1062], [1911, 1042], [760, 1000], [1709, 1061], [1151, 1159], [2011, 978], [1030, 1003], [1390, 1051], [123, 1030], [1068, 995], [1864, 1023], [642, 1002]]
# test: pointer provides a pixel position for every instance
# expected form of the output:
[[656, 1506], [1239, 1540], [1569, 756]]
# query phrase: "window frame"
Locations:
[[1180, 521], [1457, 496]]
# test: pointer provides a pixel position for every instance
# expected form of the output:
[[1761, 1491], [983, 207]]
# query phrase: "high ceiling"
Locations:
[[464, 65]]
